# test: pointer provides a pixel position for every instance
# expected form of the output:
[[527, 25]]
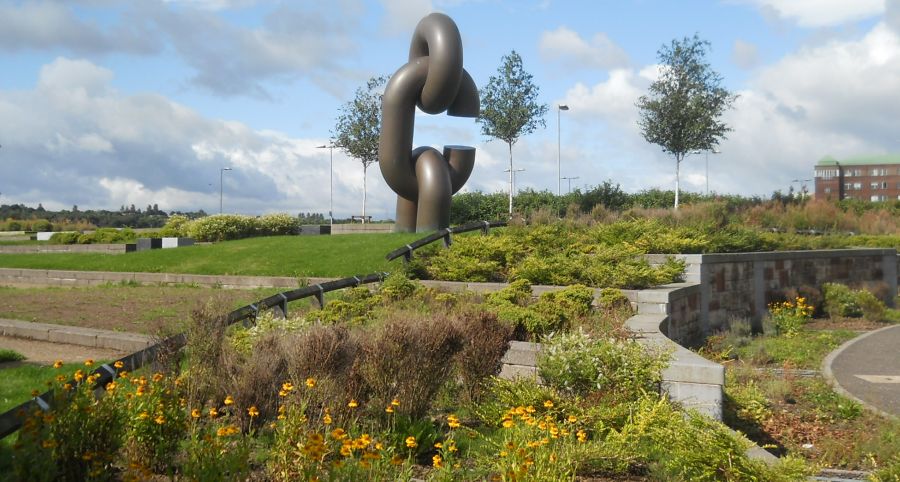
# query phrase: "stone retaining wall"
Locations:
[[742, 285], [64, 248], [362, 228], [44, 277]]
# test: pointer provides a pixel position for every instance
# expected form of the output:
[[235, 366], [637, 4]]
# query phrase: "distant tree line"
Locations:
[[20, 216]]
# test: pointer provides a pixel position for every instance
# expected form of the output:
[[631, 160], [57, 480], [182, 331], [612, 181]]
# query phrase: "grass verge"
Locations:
[[299, 256]]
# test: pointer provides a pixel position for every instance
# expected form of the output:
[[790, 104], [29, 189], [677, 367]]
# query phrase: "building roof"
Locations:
[[861, 160]]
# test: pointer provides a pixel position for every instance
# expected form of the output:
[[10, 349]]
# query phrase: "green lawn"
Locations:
[[320, 256]]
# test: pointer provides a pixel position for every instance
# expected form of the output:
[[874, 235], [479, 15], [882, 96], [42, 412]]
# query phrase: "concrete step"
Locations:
[[651, 308]]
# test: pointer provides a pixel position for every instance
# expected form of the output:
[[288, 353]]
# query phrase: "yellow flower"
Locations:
[[195, 413], [508, 423], [582, 436], [346, 450], [143, 415], [60, 378], [89, 362], [396, 460], [282, 393], [389, 409], [79, 376], [58, 364], [157, 377], [118, 364], [572, 419], [310, 382], [451, 446], [437, 461], [395, 402], [548, 404], [287, 386], [438, 445], [252, 411], [213, 413], [111, 386], [35, 393], [452, 421], [411, 442], [229, 400], [338, 433], [67, 386], [327, 419], [160, 419], [352, 403], [123, 374]]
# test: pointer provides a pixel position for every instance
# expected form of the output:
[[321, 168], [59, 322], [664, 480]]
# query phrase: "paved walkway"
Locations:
[[868, 369]]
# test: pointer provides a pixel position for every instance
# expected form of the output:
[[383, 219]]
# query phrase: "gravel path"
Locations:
[[45, 353]]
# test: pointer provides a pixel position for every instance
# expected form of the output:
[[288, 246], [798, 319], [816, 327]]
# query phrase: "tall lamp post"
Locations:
[[559, 109], [570, 181], [714, 151], [221, 177], [330, 181]]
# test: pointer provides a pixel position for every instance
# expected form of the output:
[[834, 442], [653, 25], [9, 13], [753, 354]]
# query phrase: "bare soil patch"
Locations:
[[140, 309]]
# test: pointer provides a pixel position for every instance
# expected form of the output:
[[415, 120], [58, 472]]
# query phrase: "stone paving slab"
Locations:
[[864, 368], [74, 335]]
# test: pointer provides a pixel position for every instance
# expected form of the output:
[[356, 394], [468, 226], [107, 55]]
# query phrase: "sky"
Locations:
[[106, 103]]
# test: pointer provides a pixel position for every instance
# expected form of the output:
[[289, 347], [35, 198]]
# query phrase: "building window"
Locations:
[[857, 186], [879, 197], [826, 174], [884, 185], [879, 171], [874, 185], [827, 190]]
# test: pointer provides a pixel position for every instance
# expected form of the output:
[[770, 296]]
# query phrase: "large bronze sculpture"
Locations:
[[435, 80]]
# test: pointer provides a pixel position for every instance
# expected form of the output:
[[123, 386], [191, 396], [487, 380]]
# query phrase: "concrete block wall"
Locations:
[[64, 248], [742, 285], [362, 228]]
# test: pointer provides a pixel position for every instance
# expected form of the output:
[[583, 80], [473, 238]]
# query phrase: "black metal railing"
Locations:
[[11, 421], [446, 234]]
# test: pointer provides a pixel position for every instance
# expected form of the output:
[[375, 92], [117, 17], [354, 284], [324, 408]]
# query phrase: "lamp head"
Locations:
[[563, 107]]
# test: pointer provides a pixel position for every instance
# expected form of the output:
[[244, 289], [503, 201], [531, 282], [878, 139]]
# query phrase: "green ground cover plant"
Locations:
[[793, 412], [296, 256], [397, 385], [7, 355]]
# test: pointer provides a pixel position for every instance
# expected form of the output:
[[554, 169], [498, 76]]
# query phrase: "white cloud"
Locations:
[[567, 46], [45, 25], [745, 54], [74, 139], [401, 16], [821, 13], [838, 98]]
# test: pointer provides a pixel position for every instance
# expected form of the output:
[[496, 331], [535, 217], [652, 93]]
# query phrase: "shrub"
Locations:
[[485, 341], [64, 238], [790, 316], [7, 355], [840, 300], [409, 360], [176, 226], [279, 224], [222, 227], [577, 364]]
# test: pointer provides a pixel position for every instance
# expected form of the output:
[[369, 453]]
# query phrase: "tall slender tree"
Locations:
[[509, 107], [358, 127], [682, 111]]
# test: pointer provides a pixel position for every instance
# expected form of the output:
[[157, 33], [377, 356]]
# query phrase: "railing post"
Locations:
[[281, 310], [448, 240], [320, 296]]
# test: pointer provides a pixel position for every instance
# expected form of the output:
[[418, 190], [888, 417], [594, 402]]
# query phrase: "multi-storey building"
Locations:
[[870, 178]]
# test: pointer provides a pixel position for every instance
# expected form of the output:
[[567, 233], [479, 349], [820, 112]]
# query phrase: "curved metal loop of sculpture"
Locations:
[[435, 80]]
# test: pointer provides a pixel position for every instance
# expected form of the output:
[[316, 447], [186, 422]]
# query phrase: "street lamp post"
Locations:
[[221, 178], [570, 181], [512, 185], [559, 109], [714, 151], [330, 182]]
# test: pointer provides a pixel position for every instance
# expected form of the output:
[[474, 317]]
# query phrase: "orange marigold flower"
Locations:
[[437, 461], [89, 362], [157, 377], [252, 411], [411, 442], [58, 364], [195, 413], [79, 376], [310, 382]]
